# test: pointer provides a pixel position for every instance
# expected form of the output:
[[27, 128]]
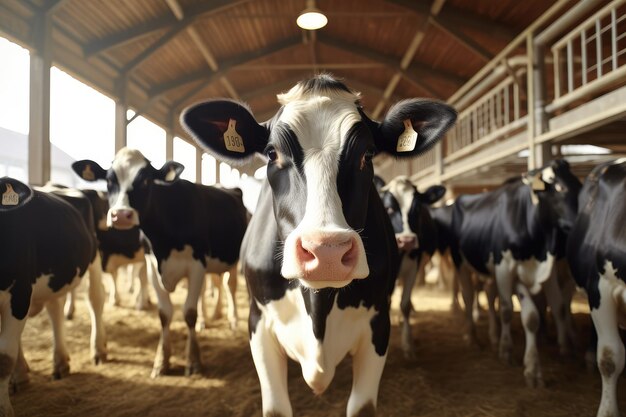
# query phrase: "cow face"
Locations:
[[556, 189], [402, 202], [319, 149], [128, 184]]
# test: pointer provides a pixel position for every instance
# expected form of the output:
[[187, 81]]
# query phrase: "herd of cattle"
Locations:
[[324, 248]]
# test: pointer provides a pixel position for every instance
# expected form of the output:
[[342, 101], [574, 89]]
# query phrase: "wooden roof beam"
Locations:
[[452, 17], [464, 40], [226, 66], [412, 73], [160, 23]]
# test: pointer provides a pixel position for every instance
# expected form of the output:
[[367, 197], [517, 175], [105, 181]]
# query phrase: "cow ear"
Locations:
[[226, 129], [13, 194], [433, 194], [533, 180], [89, 170], [170, 171], [412, 126]]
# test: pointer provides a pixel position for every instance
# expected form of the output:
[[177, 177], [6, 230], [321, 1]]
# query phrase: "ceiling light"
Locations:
[[311, 18]]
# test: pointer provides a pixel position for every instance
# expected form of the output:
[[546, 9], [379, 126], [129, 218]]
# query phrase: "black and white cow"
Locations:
[[416, 237], [319, 253], [118, 248], [193, 229], [511, 233], [596, 251], [47, 247]]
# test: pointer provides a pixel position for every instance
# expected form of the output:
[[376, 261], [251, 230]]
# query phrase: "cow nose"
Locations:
[[406, 242], [122, 218], [327, 257]]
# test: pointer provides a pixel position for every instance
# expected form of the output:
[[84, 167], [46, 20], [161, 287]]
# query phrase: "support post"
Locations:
[[169, 140], [530, 77], [199, 165], [39, 165], [439, 161], [121, 122]]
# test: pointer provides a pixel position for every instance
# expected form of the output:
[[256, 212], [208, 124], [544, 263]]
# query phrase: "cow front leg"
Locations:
[[467, 290], [60, 356], [504, 281], [557, 306], [492, 293], [114, 296], [270, 362], [203, 318], [229, 283], [410, 271], [610, 350], [10, 334], [142, 301], [367, 369], [166, 311], [190, 312], [530, 321], [98, 343], [20, 373]]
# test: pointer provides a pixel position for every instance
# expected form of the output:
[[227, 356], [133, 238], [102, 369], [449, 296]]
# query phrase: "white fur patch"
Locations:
[[126, 165], [321, 124], [531, 272], [288, 320], [402, 189], [180, 264]]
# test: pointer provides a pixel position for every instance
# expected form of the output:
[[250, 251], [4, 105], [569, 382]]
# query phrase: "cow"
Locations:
[[512, 234], [416, 237], [596, 251], [319, 253], [47, 248], [194, 229]]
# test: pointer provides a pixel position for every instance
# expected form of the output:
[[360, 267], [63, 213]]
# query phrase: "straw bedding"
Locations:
[[449, 378]]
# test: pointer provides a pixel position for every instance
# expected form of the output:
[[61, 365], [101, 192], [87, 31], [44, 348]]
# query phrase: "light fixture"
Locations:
[[311, 17]]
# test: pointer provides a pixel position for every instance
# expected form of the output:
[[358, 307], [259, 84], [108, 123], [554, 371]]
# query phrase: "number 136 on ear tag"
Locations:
[[408, 138], [232, 140]]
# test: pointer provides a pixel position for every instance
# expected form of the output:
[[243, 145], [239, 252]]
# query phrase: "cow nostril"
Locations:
[[349, 258], [304, 254]]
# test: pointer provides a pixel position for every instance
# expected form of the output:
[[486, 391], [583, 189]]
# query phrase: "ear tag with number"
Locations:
[[10, 197], [88, 174], [408, 138], [232, 140]]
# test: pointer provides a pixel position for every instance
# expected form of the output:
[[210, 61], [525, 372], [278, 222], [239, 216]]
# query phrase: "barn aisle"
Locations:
[[448, 378]]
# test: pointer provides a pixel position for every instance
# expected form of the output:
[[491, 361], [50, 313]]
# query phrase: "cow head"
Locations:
[[319, 148], [555, 189], [128, 184], [402, 202]]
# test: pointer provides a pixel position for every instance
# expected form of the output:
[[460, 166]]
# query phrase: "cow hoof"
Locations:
[[99, 358], [69, 315], [61, 371], [534, 381], [160, 370], [506, 357], [193, 369], [17, 382]]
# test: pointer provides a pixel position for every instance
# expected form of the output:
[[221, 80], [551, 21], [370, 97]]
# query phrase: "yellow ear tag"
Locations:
[[232, 140], [538, 184], [88, 174], [408, 138], [10, 197]]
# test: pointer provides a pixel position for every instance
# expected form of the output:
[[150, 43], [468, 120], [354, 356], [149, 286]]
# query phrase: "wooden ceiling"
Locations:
[[162, 55]]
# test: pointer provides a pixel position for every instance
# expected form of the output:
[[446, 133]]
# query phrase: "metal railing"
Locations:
[[592, 57]]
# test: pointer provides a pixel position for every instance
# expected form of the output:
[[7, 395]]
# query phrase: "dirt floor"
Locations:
[[449, 378]]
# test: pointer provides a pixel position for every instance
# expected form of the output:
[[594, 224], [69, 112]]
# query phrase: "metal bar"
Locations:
[[596, 85], [570, 67], [506, 105], [499, 115], [530, 102], [598, 49], [515, 102], [583, 53], [614, 38]]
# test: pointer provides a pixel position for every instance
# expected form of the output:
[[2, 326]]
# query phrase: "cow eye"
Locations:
[[271, 154], [368, 155], [389, 210]]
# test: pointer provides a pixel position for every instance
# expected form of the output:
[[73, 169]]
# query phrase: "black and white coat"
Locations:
[[48, 246], [512, 234], [416, 237], [319, 253], [194, 229], [596, 251]]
